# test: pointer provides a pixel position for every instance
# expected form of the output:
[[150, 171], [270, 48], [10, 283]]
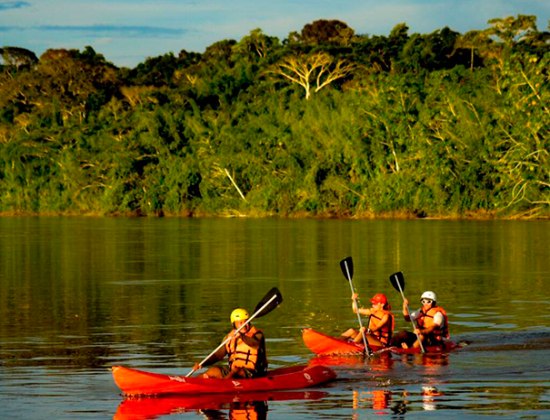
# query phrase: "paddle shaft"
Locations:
[[409, 314], [365, 341], [234, 335]]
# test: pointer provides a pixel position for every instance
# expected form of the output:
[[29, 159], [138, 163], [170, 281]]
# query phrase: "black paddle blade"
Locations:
[[274, 296], [397, 279], [347, 268]]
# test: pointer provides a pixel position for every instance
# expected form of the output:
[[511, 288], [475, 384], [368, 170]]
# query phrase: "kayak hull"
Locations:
[[136, 382], [325, 345]]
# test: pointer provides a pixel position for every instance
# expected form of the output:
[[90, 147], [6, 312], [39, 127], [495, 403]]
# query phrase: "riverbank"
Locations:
[[533, 214]]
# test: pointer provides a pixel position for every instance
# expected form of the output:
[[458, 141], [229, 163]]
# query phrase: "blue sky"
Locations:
[[126, 32]]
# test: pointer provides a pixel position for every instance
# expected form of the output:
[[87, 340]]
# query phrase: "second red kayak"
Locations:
[[137, 382], [325, 345]]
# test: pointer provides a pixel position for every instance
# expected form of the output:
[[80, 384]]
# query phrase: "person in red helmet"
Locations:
[[380, 325], [246, 351]]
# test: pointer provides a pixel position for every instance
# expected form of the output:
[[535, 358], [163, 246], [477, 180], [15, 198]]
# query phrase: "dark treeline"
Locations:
[[325, 123]]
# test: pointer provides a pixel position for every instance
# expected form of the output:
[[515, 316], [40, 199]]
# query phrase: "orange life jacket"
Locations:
[[241, 355], [426, 319], [383, 334]]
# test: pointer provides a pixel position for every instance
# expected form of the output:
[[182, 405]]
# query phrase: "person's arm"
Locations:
[[362, 311], [216, 357], [405, 313]]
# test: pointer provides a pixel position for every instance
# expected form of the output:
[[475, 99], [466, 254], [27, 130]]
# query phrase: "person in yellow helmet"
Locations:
[[246, 352]]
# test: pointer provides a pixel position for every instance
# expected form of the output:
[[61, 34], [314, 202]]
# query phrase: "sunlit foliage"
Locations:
[[326, 123]]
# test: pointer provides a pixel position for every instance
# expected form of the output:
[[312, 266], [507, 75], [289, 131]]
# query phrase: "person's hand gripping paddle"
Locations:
[[398, 282], [347, 268]]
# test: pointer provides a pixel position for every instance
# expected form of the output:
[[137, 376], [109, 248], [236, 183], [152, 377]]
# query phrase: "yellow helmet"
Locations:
[[239, 314]]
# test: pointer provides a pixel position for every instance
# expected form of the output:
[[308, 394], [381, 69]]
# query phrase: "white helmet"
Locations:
[[429, 295]]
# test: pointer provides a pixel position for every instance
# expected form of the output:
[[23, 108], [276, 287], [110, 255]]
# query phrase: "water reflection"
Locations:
[[378, 363], [429, 394], [384, 362], [386, 402], [212, 406], [433, 362], [381, 364], [375, 399], [455, 401]]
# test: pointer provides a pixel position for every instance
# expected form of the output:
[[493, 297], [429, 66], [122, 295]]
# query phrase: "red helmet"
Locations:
[[379, 298]]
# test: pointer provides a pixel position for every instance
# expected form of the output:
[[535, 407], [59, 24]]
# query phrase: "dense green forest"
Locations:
[[325, 123]]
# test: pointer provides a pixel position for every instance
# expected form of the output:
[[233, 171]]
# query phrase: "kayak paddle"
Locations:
[[270, 301], [398, 282], [347, 268]]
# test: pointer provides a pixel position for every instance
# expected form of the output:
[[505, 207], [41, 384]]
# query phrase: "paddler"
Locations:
[[432, 325], [380, 325], [246, 351]]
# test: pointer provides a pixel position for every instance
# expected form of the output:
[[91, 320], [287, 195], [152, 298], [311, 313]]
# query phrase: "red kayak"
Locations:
[[150, 408], [137, 382], [325, 345]]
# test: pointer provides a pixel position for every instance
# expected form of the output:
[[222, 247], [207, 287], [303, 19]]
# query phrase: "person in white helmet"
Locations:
[[431, 321]]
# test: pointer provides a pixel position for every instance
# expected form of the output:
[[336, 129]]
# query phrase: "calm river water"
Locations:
[[79, 295]]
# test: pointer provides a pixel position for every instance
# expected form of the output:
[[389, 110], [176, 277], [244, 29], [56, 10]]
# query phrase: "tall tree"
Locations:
[[313, 71], [256, 44], [18, 57], [324, 31], [511, 30], [474, 40]]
